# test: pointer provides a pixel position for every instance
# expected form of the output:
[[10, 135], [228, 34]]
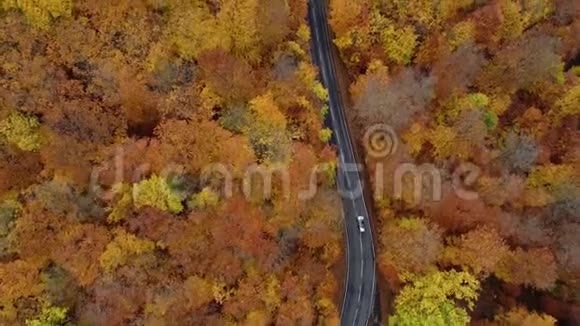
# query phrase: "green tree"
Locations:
[[431, 300], [490, 119]]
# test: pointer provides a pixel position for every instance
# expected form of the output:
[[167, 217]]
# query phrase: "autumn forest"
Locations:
[[135, 99], [489, 85], [128, 127]]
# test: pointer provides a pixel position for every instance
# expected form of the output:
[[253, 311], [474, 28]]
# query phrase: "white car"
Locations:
[[361, 224]]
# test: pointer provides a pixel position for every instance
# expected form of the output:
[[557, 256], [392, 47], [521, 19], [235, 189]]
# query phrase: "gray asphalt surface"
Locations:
[[358, 306]]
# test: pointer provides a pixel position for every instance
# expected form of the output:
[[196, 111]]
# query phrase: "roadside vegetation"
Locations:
[[495, 84], [110, 114]]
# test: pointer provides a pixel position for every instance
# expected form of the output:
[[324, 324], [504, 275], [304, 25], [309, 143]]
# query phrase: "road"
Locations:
[[358, 306]]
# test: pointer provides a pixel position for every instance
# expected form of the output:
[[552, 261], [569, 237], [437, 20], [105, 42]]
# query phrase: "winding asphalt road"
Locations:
[[358, 306]]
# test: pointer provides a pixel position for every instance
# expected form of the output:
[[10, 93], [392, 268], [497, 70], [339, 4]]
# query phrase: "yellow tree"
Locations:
[[50, 316], [21, 130], [267, 131], [523, 317], [443, 140], [513, 21], [431, 300], [569, 104], [309, 77], [348, 21], [204, 199], [238, 21], [461, 33], [520, 15], [123, 247], [430, 14], [40, 13], [257, 318], [266, 111], [399, 43], [156, 192], [192, 29]]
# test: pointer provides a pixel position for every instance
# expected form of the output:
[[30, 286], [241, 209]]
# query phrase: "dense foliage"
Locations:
[[121, 125], [491, 85], [430, 299]]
